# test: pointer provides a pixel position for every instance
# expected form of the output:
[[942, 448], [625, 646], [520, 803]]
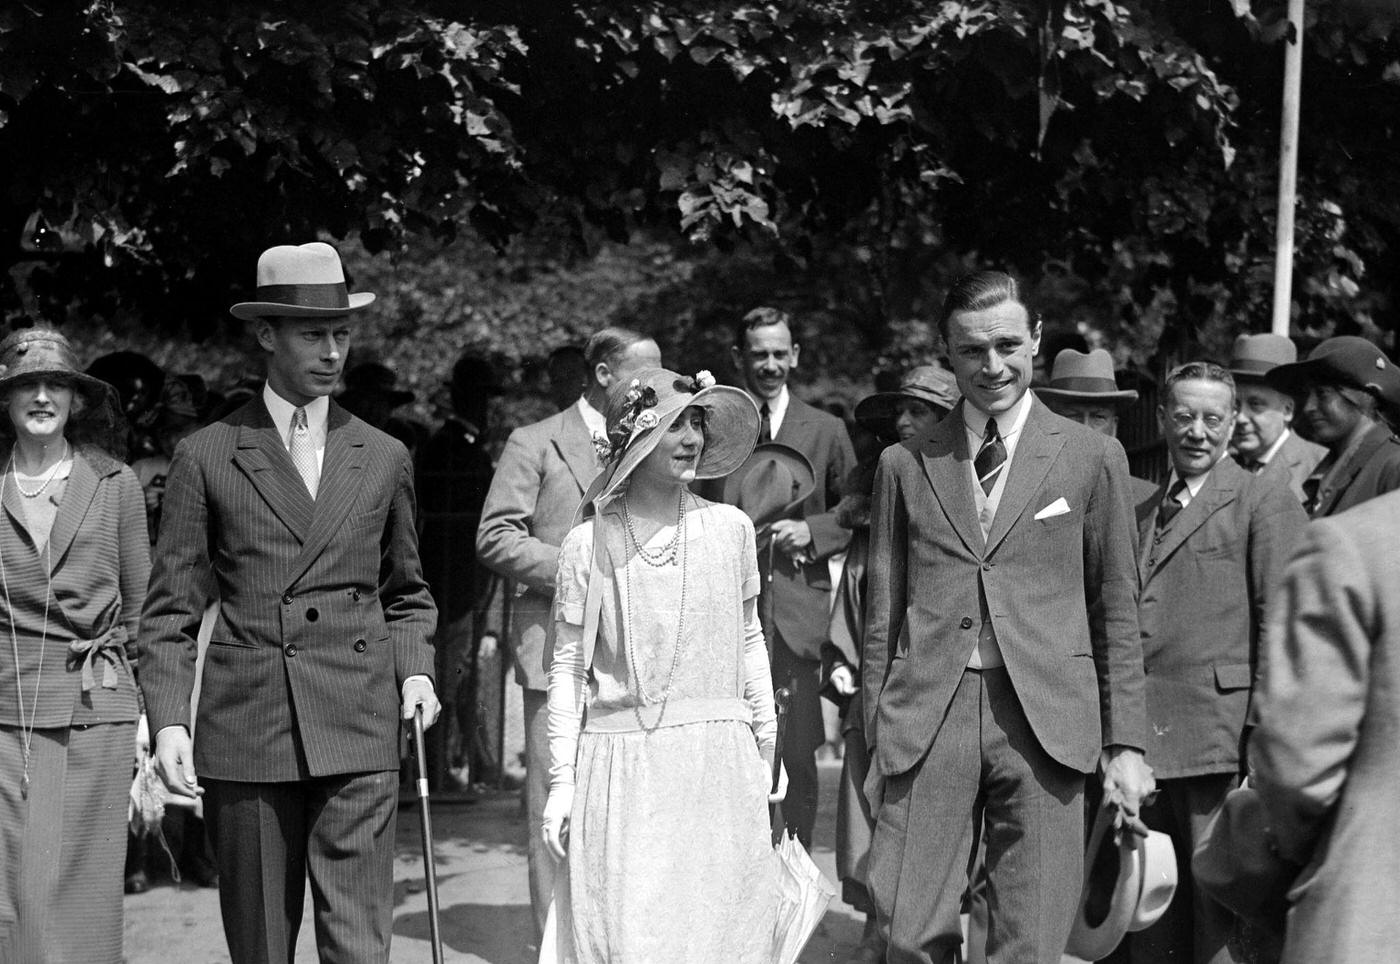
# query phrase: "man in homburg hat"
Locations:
[[1342, 389], [298, 518], [1214, 543], [1264, 440], [1002, 658], [1082, 389], [541, 477]]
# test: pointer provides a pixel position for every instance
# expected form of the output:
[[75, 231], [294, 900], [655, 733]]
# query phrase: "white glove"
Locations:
[[777, 796], [555, 829]]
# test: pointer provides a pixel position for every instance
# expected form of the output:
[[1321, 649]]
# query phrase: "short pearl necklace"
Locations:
[[53, 472]]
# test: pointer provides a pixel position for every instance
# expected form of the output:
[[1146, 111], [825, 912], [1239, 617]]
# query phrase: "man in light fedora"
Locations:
[[298, 519], [1264, 440], [542, 474], [1342, 390], [1082, 389]]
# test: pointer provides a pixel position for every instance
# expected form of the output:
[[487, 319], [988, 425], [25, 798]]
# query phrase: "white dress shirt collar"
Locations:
[[1009, 424], [777, 408], [1273, 449], [593, 420], [317, 414]]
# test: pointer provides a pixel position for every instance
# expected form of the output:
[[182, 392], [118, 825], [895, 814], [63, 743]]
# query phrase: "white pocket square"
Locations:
[[1058, 507]]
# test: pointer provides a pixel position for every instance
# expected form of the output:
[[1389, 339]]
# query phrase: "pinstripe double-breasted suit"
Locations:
[[323, 614]]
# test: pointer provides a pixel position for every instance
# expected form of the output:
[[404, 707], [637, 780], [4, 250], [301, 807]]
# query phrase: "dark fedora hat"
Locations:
[[1345, 360], [929, 384], [771, 483], [1077, 376], [1254, 356], [300, 281]]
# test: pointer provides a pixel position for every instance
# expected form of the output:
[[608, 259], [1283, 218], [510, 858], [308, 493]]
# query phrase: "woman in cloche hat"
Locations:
[[73, 568], [660, 803]]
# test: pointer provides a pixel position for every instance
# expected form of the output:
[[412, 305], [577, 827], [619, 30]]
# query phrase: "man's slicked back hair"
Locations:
[[607, 345], [759, 318], [979, 291]]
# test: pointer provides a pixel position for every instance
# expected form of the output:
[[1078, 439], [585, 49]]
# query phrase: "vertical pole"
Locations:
[[1288, 168]]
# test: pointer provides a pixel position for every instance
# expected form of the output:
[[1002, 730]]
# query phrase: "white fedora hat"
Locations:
[[1127, 887], [300, 281]]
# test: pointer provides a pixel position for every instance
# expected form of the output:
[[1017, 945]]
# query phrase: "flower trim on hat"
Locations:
[[639, 417]]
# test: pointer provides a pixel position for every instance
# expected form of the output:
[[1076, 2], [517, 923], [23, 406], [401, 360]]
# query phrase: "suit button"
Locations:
[[290, 649], [1156, 540], [359, 645], [313, 614], [986, 567], [286, 599], [966, 622], [355, 595]]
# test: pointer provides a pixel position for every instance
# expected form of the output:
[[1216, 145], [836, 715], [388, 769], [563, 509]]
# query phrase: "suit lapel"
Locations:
[[341, 475], [945, 458], [82, 486], [1040, 442], [575, 447], [264, 460], [793, 431], [1221, 488], [14, 506]]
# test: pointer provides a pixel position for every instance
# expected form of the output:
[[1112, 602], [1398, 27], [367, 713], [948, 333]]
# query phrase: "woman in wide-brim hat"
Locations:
[[73, 569], [660, 804]]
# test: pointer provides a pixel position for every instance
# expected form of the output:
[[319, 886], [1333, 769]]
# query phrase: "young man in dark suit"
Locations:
[[299, 520], [1002, 659], [765, 353]]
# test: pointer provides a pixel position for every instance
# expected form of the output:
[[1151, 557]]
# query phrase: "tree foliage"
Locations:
[[1123, 151]]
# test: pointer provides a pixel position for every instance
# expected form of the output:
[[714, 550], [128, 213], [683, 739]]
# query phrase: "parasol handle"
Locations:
[[781, 699]]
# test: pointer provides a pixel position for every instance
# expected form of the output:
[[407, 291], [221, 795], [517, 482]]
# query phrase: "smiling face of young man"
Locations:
[[305, 355], [765, 358], [992, 352]]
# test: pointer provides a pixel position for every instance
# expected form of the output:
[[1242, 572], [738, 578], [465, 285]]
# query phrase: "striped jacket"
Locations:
[[323, 608]]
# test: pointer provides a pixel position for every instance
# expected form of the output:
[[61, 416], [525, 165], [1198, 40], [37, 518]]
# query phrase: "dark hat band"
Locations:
[[1084, 385], [1252, 366], [332, 295]]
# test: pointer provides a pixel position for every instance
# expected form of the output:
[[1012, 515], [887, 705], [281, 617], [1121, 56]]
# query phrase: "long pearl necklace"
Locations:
[[27, 729], [677, 546]]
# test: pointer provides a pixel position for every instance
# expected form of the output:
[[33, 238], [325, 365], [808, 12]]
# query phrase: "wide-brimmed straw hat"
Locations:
[[44, 353], [929, 384], [773, 481], [1254, 356], [641, 410], [300, 281], [1128, 884], [1345, 360], [1080, 377]]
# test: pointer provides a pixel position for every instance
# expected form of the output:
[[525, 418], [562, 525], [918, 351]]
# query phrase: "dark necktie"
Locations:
[[1312, 485], [1167, 511], [765, 425], [1256, 467], [990, 457]]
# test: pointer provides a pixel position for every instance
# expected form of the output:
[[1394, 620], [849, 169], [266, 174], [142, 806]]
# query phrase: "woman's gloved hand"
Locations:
[[555, 829]]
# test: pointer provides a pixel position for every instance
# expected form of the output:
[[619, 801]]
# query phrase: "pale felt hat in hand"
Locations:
[[1128, 884], [301, 281]]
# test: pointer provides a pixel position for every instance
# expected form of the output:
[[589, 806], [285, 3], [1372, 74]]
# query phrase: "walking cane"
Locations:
[[780, 704], [429, 868]]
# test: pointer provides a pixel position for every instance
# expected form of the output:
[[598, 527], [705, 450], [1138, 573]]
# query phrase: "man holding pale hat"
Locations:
[[298, 519], [1264, 439], [1342, 388]]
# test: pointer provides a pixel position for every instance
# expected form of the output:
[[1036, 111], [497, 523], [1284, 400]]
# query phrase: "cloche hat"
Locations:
[[42, 352], [300, 281], [929, 384], [639, 411], [1345, 359]]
